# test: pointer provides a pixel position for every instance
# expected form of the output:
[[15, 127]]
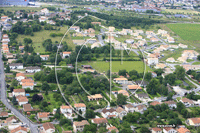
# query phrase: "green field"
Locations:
[[188, 32], [102, 66], [175, 11], [40, 36]]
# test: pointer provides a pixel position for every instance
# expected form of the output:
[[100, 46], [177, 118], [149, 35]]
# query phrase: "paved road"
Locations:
[[33, 127]]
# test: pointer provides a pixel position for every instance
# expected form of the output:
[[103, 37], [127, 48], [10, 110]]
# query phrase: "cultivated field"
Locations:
[[176, 11], [102, 66]]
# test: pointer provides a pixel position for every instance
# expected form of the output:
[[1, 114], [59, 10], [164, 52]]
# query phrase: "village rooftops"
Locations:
[[21, 98], [183, 130], [43, 114], [134, 87], [117, 79], [48, 125], [16, 130], [31, 67], [65, 107], [100, 120], [18, 90], [79, 105], [81, 123], [108, 110], [154, 103]]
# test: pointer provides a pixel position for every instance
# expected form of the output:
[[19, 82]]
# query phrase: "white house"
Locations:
[[65, 109], [99, 121], [20, 76], [16, 66], [156, 130], [44, 11], [43, 19], [129, 108], [27, 85], [171, 104], [121, 112], [75, 28], [66, 54], [187, 102], [79, 125], [48, 127], [80, 106], [44, 57], [17, 92], [109, 113], [169, 130], [22, 100], [152, 61], [121, 80], [43, 115], [33, 69]]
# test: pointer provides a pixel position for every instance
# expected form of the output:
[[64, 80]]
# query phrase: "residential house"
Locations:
[[44, 11], [3, 114], [11, 120], [160, 65], [111, 29], [80, 106], [121, 80], [44, 57], [16, 66], [140, 108], [43, 115], [18, 92], [75, 28], [142, 95], [171, 104], [109, 113], [152, 61], [187, 102], [149, 33], [139, 31], [66, 54], [153, 39], [134, 87], [193, 121], [156, 130], [121, 112], [27, 85], [99, 121], [139, 37], [43, 19], [171, 59], [160, 31], [182, 45], [129, 108], [33, 69], [129, 41], [9, 56], [19, 129], [96, 44], [26, 81], [111, 129], [191, 67], [27, 108], [87, 67], [95, 97], [22, 100], [154, 103], [169, 130], [190, 54], [20, 76], [183, 130], [123, 92], [48, 127], [90, 30], [65, 109], [79, 125]]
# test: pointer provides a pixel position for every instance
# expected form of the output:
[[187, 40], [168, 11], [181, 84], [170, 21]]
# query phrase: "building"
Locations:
[[65, 109], [193, 121], [109, 113], [129, 108], [66, 54], [111, 129], [171, 59], [154, 103], [187, 102], [10, 120], [33, 69], [134, 87], [27, 108], [22, 100], [44, 57], [4, 114], [80, 106], [121, 80], [26, 81], [16, 66], [43, 116], [190, 54], [18, 92], [152, 61], [19, 129], [79, 126], [48, 127], [44, 11], [15, 2], [75, 28], [169, 130], [20, 76], [156, 130], [99, 121], [121, 112], [171, 104], [27, 85], [95, 97], [183, 130]]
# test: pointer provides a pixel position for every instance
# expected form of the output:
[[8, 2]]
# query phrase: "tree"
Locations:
[[121, 99], [14, 83], [36, 97], [198, 57], [7, 69], [64, 121], [27, 40], [14, 101], [133, 73], [153, 86], [144, 129], [148, 76], [122, 73], [89, 114], [80, 118], [90, 128], [45, 86], [180, 72]]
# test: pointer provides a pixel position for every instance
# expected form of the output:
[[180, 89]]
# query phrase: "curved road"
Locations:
[[33, 127]]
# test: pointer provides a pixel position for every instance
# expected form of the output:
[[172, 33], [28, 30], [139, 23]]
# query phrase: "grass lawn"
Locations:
[[39, 37], [11, 9], [180, 11], [188, 32], [102, 66], [196, 63]]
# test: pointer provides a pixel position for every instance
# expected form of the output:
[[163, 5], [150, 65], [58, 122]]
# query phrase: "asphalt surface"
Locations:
[[33, 127]]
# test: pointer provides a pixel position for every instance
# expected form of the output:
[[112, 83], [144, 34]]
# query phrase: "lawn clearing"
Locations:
[[189, 32], [196, 63], [40, 36], [175, 11], [103, 66]]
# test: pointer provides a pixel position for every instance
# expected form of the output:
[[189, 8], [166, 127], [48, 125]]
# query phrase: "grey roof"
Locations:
[[16, 64], [35, 67]]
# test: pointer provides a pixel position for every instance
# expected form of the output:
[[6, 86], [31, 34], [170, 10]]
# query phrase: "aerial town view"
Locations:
[[100, 66]]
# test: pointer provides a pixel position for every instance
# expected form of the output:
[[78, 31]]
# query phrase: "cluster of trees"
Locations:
[[64, 76], [193, 96], [121, 22], [26, 59], [49, 46], [195, 74]]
